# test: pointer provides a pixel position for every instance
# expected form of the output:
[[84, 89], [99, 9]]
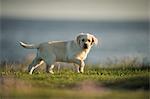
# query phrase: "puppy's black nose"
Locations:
[[85, 46]]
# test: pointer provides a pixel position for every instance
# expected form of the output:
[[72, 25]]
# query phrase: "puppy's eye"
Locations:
[[83, 40], [89, 41]]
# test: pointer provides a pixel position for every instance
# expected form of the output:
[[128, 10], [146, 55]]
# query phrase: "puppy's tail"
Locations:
[[29, 46]]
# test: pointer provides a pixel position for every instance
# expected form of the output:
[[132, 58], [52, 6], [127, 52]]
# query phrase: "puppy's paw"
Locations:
[[51, 72], [30, 73], [81, 70]]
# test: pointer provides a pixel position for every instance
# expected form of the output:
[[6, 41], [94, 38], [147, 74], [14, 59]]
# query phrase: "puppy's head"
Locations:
[[86, 41]]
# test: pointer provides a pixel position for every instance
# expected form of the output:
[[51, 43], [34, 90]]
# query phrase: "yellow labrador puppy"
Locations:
[[74, 51]]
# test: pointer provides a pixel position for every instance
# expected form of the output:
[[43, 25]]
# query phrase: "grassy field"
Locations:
[[129, 82]]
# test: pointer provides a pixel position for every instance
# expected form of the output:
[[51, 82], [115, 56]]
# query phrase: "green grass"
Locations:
[[95, 83]]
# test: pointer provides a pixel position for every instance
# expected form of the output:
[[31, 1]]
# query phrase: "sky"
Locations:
[[109, 10], [125, 36]]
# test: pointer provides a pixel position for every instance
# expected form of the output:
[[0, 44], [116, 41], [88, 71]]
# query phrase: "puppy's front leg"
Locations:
[[81, 65], [81, 68]]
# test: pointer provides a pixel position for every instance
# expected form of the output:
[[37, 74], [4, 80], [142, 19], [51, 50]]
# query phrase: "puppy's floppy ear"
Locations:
[[78, 38], [94, 40]]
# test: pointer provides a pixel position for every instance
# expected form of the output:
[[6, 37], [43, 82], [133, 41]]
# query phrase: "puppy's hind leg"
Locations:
[[35, 63], [49, 69], [50, 60]]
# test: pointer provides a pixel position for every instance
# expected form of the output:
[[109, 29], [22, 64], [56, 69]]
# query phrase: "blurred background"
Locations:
[[122, 26]]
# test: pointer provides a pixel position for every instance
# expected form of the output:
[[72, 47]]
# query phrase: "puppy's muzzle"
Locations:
[[85, 46]]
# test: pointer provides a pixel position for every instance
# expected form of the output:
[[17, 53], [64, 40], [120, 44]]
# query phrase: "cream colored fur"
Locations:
[[74, 51]]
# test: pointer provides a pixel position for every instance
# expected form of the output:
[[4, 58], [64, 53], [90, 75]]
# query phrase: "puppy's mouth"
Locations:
[[85, 46]]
